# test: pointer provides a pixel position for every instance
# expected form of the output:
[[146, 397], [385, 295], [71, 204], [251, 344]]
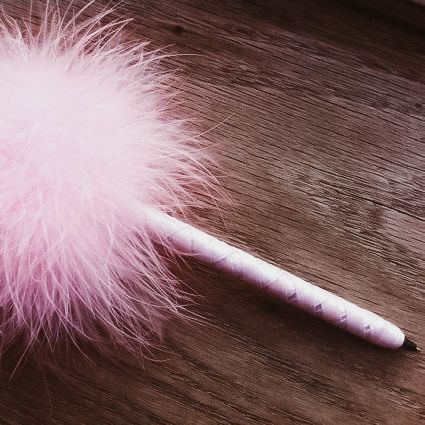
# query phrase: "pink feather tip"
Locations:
[[86, 143]]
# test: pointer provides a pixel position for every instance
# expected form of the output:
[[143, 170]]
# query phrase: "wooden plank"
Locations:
[[316, 113]]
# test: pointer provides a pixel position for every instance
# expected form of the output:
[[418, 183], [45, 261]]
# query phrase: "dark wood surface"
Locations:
[[321, 139]]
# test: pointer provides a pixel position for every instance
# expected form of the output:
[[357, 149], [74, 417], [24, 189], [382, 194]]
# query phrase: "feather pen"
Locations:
[[92, 171]]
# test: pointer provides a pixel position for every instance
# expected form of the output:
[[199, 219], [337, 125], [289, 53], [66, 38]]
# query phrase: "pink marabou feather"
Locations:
[[85, 144]]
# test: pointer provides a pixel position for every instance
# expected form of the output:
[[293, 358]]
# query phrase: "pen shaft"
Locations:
[[191, 241]]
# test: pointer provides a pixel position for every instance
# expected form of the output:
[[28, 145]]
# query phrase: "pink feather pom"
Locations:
[[85, 144]]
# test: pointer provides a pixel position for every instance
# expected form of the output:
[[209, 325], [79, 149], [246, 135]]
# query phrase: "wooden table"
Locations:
[[316, 110]]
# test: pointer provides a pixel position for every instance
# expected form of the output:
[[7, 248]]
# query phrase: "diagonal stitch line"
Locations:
[[343, 318], [293, 297], [274, 280]]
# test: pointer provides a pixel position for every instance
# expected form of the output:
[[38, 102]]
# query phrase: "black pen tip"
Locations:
[[410, 345]]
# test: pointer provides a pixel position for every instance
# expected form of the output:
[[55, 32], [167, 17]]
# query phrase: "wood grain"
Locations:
[[316, 110]]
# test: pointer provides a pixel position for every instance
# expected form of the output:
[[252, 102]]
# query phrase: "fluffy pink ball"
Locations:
[[85, 145]]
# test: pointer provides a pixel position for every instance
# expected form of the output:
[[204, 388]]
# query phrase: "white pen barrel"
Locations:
[[191, 241]]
